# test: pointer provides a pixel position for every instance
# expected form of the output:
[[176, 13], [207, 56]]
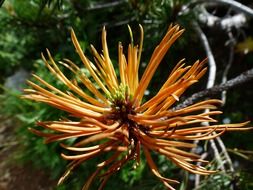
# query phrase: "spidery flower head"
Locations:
[[115, 120]]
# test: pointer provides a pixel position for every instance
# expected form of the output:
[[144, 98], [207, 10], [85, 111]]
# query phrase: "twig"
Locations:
[[246, 154], [197, 177], [234, 5], [211, 61], [7, 144], [217, 154], [225, 152], [237, 20], [210, 83], [120, 23], [240, 79], [231, 43], [105, 5]]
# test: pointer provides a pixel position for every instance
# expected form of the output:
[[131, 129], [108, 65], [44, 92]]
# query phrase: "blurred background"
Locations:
[[221, 30]]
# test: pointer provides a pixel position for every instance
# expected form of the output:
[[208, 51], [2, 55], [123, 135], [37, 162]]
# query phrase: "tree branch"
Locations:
[[237, 20], [234, 5], [242, 78], [210, 84], [237, 6], [105, 5], [1, 2], [211, 61], [231, 43]]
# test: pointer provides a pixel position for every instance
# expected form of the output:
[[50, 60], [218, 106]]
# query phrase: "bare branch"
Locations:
[[197, 177], [234, 5], [237, 20], [105, 5], [240, 79], [231, 44], [211, 61], [225, 152], [210, 83]]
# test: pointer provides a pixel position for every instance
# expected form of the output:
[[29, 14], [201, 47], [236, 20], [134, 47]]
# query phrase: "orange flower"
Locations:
[[115, 119]]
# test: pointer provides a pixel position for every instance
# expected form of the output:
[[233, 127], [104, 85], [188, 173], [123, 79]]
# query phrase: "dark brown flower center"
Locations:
[[121, 110]]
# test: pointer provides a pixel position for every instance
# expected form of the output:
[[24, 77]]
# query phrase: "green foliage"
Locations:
[[26, 10], [44, 3], [216, 182], [226, 181], [27, 113], [1, 2]]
